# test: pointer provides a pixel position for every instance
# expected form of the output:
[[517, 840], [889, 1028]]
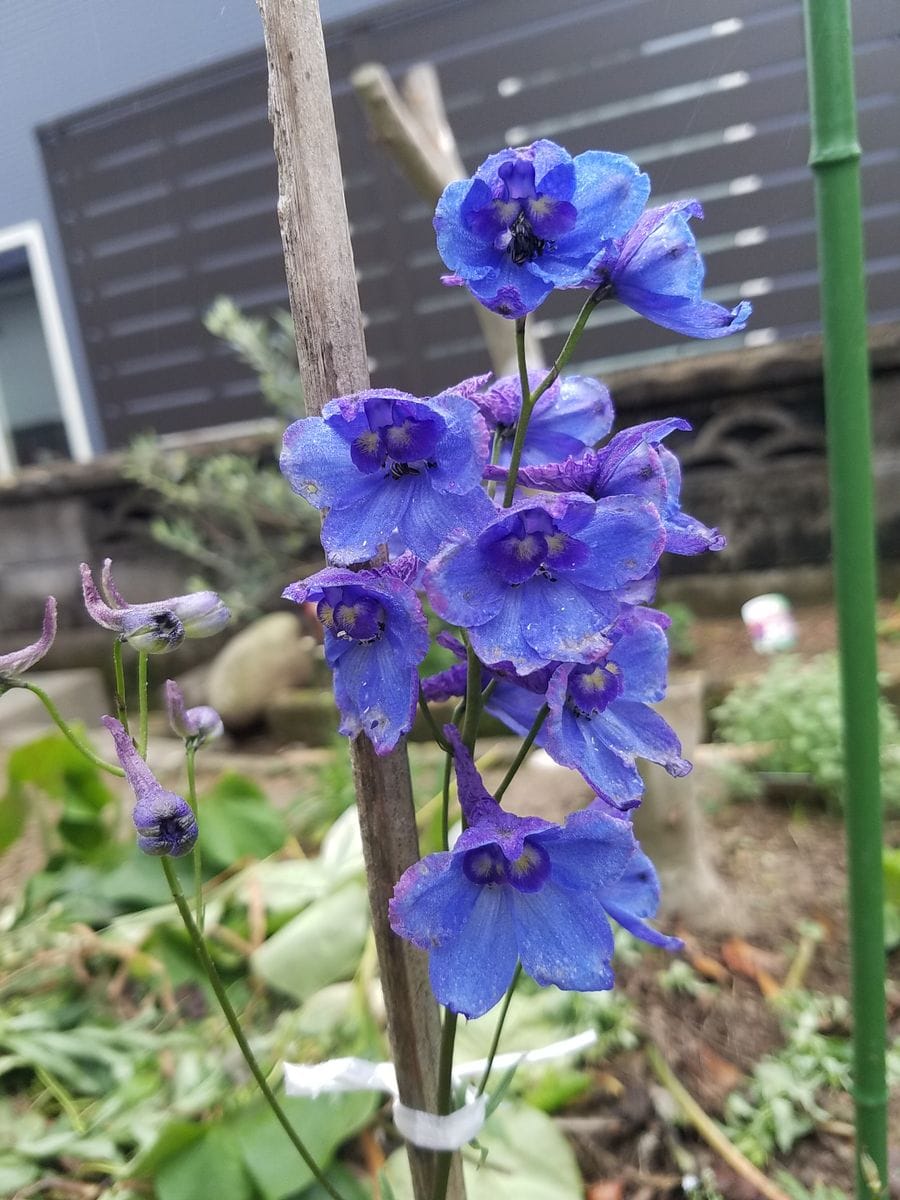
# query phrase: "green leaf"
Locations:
[[53, 766], [16, 1173], [527, 1159], [320, 946], [13, 811], [349, 1186], [323, 1124], [172, 1140], [238, 821], [211, 1166]]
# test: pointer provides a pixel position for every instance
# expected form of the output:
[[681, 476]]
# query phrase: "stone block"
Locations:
[[80, 695]]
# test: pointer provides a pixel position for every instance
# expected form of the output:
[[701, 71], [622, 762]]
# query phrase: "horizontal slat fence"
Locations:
[[166, 199]]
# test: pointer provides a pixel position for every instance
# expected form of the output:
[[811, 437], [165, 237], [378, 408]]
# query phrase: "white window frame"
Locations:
[[30, 236]]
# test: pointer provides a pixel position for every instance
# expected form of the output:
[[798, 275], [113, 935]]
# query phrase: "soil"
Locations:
[[787, 869]]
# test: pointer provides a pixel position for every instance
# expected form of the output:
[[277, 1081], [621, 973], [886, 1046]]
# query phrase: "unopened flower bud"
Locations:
[[157, 627], [153, 632], [164, 821], [196, 725]]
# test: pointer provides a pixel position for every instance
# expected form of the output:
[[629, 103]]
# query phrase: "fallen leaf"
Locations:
[[752, 963], [606, 1189]]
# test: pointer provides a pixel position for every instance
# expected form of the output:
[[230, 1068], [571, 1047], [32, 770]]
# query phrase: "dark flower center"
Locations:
[[401, 437], [486, 865], [592, 688], [524, 244], [349, 614], [531, 543]]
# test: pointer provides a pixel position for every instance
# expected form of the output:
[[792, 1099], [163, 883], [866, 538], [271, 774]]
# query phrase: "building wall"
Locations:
[[59, 56]]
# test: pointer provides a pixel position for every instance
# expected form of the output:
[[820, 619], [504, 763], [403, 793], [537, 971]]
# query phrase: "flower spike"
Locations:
[[164, 821], [17, 662]]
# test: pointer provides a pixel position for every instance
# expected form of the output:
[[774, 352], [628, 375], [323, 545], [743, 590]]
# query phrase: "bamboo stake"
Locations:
[[332, 354], [834, 159]]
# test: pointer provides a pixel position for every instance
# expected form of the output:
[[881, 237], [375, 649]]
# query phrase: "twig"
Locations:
[[708, 1129]]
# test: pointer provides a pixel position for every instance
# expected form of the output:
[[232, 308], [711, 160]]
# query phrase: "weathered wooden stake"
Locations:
[[332, 352]]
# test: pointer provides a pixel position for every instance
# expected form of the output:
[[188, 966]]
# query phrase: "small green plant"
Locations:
[[682, 643], [788, 1092], [794, 713], [233, 516], [681, 978]]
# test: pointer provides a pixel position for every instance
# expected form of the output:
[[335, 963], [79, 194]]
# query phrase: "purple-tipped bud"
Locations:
[[19, 661], [154, 628], [163, 820], [109, 587], [197, 725]]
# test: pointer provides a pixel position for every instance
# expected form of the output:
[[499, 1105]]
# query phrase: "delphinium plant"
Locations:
[[538, 536]]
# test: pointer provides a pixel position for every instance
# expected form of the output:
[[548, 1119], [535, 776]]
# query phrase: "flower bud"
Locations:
[[17, 662], [157, 627], [196, 725], [152, 632], [164, 821]]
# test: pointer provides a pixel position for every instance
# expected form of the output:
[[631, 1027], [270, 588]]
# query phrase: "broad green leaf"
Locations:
[[238, 821], [13, 811], [527, 1159], [212, 1166], [351, 1187], [323, 1124], [320, 946], [52, 765], [173, 1139]]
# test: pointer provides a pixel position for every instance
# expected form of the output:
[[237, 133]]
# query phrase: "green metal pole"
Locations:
[[834, 159]]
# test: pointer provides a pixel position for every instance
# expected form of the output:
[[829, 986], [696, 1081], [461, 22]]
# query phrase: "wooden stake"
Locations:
[[332, 353]]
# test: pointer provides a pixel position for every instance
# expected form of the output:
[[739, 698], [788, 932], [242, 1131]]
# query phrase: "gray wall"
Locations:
[[59, 56]]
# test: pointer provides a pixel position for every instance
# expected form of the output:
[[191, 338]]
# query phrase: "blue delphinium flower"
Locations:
[[164, 821], [196, 725], [522, 889], [657, 270], [600, 718], [17, 662], [633, 463], [532, 219], [572, 415], [158, 627], [382, 460], [539, 581], [375, 637]]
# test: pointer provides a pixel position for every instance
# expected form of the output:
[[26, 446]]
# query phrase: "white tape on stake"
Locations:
[[426, 1130]]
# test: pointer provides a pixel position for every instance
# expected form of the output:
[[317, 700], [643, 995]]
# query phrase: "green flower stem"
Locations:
[[119, 668], [597, 295], [527, 743], [445, 801], [445, 1098], [495, 1042], [432, 724], [529, 398], [143, 701], [234, 1024], [524, 414], [58, 720], [474, 700], [190, 754]]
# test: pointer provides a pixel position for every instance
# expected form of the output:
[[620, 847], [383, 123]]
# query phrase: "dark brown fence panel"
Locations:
[[166, 199]]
